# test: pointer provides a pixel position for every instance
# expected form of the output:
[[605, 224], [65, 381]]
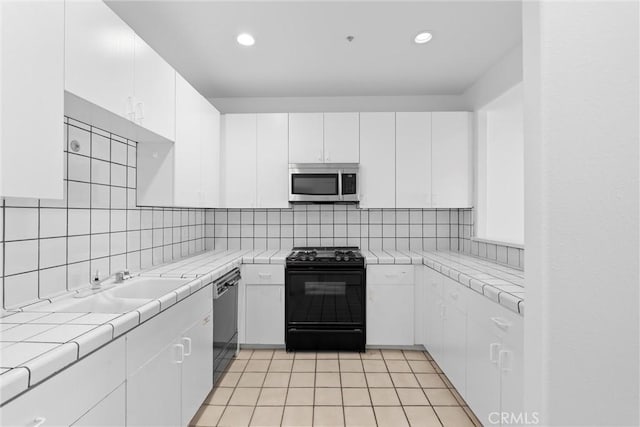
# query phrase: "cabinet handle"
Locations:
[[454, 295], [187, 346], [264, 275], [493, 347], [38, 421], [503, 360], [443, 311], [501, 323], [320, 156], [281, 295], [179, 347], [327, 157]]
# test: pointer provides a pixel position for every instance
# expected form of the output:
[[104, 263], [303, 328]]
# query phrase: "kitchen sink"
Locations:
[[146, 287], [120, 298], [99, 303]]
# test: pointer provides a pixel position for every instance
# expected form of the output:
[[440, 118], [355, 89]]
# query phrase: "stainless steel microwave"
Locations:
[[322, 182]]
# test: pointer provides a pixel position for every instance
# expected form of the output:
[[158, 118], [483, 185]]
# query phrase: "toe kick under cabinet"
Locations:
[[158, 374]]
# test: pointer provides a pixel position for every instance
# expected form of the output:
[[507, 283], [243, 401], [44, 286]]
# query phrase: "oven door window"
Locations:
[[315, 184], [325, 297]]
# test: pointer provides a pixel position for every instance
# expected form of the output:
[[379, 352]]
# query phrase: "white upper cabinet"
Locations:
[[341, 138], [109, 66], [306, 138], [377, 160], [99, 57], [324, 138], [413, 160], [31, 100], [187, 146], [272, 165], [210, 155], [239, 160], [155, 91], [451, 152]]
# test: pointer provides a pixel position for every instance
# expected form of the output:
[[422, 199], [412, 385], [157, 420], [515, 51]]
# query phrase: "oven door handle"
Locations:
[[325, 330]]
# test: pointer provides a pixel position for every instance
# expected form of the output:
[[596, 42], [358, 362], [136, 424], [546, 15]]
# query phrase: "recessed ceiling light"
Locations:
[[423, 37], [246, 39]]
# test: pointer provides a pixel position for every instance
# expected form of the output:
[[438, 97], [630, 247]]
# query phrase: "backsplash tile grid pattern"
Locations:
[[334, 225], [50, 246]]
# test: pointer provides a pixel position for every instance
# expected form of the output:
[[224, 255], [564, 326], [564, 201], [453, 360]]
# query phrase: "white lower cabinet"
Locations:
[[495, 358], [83, 385], [153, 391], [454, 334], [390, 301], [108, 413], [264, 304], [477, 343], [170, 364], [197, 368]]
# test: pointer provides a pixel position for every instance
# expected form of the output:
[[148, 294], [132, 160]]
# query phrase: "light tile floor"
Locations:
[[380, 387]]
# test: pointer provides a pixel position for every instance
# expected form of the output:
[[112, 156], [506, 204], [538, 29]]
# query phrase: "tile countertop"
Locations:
[[500, 283], [36, 343]]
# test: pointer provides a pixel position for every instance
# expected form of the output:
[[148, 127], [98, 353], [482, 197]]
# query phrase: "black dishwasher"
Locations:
[[225, 322]]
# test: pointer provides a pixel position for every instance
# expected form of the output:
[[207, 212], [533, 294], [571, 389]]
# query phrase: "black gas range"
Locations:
[[325, 299], [327, 257]]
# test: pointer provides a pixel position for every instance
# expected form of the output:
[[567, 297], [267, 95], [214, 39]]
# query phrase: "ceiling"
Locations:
[[301, 47]]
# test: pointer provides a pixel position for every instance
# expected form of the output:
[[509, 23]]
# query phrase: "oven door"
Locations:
[[325, 298]]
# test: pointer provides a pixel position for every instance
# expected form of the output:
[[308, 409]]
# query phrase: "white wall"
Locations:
[[582, 357], [341, 103], [500, 169], [494, 100], [502, 76]]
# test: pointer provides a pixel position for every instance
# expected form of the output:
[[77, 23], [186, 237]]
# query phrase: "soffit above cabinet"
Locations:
[[301, 47]]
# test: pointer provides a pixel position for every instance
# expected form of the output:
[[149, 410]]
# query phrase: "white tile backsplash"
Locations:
[[330, 225], [51, 246]]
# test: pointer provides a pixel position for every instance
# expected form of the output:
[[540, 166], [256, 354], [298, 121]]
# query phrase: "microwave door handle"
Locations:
[[340, 185]]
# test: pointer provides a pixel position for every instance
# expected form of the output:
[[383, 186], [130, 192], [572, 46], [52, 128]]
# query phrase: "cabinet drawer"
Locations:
[[263, 274], [83, 385], [390, 274]]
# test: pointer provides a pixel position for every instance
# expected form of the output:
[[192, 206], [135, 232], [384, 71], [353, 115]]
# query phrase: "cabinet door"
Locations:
[[187, 146], [511, 359], [483, 345], [99, 56], [434, 313], [341, 138], [197, 369], [155, 91], [454, 335], [31, 84], [413, 160], [272, 169], [451, 154], [264, 310], [390, 314], [153, 391], [377, 160], [210, 155], [306, 138], [108, 413], [239, 160]]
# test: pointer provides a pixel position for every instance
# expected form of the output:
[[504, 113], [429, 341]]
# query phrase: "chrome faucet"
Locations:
[[119, 276], [123, 275]]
